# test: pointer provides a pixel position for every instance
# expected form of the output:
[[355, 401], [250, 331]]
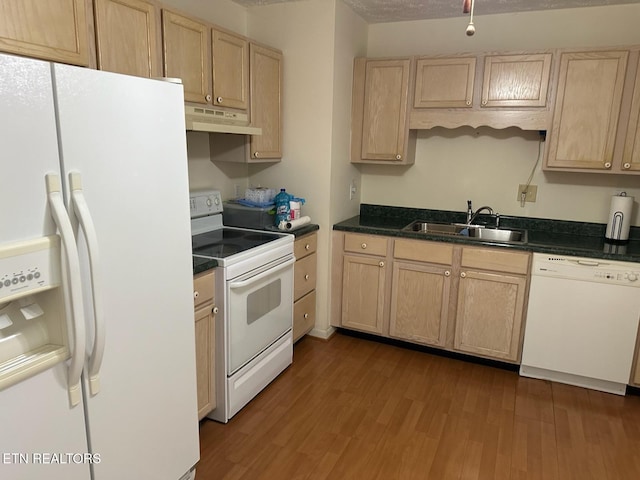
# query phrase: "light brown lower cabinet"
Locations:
[[205, 310], [459, 298], [304, 281]]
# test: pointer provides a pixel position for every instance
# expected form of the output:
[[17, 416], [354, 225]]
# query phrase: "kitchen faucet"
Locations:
[[471, 215]]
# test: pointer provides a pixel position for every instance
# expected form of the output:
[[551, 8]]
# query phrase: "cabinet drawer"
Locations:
[[203, 288], [306, 245], [490, 259], [304, 276], [304, 315], [370, 244], [429, 252]]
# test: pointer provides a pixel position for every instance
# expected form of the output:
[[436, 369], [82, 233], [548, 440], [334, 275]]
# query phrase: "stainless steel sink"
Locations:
[[435, 228], [498, 234], [477, 232]]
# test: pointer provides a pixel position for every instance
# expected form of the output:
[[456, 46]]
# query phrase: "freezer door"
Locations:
[[125, 138], [39, 427]]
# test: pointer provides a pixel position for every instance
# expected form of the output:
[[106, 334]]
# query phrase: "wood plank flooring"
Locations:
[[352, 408]]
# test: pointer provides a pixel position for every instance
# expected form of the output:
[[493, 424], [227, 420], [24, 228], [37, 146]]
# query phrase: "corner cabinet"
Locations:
[[55, 30], [491, 302], [265, 77], [304, 290], [186, 53], [379, 113], [205, 311], [127, 37]]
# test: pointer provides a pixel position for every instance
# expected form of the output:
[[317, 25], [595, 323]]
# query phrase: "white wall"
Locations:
[[487, 165], [304, 31]]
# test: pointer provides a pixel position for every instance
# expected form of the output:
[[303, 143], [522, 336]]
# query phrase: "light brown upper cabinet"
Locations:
[[587, 110], [516, 80], [500, 91], [185, 43], [266, 103], [631, 155], [444, 82], [54, 30], [126, 37], [230, 70], [379, 115]]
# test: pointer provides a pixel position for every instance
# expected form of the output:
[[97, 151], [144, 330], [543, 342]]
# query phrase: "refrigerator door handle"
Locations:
[[81, 210], [61, 218]]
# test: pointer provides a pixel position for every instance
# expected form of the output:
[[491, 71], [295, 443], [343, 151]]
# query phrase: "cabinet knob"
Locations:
[[484, 102], [219, 99], [381, 264], [306, 277], [196, 294], [627, 166], [207, 97], [463, 275], [215, 310], [398, 157], [307, 246], [256, 155], [607, 165], [447, 273], [468, 102], [306, 315], [364, 245]]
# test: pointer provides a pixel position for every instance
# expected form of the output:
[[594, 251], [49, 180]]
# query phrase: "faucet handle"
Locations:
[[469, 205], [497, 215]]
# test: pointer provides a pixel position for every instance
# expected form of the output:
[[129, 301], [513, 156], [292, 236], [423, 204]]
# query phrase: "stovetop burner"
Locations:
[[224, 242]]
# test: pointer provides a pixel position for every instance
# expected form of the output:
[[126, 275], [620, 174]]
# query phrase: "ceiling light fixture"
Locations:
[[467, 6]]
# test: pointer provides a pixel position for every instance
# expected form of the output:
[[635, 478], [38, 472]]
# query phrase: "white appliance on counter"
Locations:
[[97, 351], [254, 292], [582, 322]]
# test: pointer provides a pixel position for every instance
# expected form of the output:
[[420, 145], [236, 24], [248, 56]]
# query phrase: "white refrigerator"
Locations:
[[109, 392]]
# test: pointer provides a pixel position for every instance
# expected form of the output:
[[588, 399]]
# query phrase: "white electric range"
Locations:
[[254, 292]]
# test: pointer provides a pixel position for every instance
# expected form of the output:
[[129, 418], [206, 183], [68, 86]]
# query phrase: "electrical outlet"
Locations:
[[352, 189], [531, 193], [237, 192]]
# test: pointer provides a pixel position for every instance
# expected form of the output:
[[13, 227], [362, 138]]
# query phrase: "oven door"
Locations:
[[259, 310]]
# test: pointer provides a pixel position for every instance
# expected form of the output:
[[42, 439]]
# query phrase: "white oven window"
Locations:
[[263, 301]]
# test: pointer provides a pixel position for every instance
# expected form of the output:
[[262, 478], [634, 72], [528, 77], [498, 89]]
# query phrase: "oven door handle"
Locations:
[[266, 273]]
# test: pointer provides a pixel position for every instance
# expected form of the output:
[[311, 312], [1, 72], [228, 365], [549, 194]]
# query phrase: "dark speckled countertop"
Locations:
[[204, 264], [557, 237]]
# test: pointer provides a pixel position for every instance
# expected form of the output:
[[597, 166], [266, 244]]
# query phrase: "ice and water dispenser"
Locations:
[[33, 329]]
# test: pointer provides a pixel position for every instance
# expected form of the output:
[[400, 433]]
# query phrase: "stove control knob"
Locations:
[[216, 200], [208, 202], [632, 276]]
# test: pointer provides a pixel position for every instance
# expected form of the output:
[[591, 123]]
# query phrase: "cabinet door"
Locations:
[[230, 70], [444, 82], [204, 332], [186, 55], [363, 293], [516, 80], [53, 30], [631, 155], [126, 37], [384, 124], [587, 109], [266, 99], [419, 302], [489, 314]]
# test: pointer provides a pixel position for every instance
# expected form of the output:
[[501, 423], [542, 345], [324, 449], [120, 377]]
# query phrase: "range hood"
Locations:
[[201, 119]]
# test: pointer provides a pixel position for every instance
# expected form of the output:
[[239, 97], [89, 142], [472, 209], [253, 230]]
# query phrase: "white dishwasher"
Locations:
[[582, 321]]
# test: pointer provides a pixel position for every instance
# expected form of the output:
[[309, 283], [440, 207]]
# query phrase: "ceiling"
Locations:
[[381, 11]]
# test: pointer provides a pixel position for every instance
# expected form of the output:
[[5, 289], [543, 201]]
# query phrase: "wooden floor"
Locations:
[[355, 409]]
